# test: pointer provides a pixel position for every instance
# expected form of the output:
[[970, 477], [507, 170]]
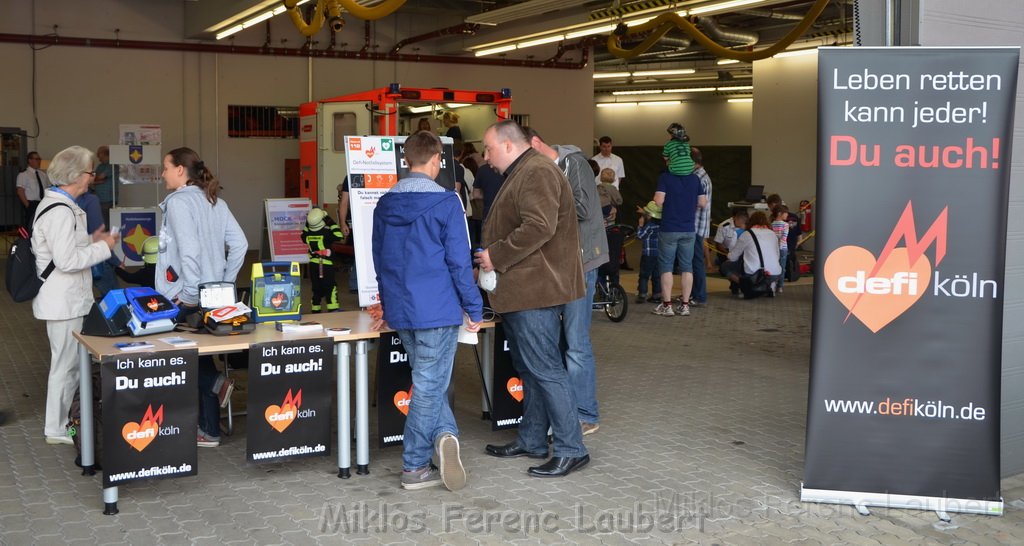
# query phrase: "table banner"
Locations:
[[150, 415], [290, 395], [507, 398], [394, 389]]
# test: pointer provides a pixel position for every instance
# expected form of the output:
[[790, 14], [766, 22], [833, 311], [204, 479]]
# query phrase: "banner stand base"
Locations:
[[913, 502]]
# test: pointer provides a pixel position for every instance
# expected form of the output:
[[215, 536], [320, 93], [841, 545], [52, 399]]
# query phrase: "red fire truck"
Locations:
[[388, 111]]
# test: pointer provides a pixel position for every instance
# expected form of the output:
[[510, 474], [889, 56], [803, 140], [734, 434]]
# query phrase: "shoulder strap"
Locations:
[[758, 246], [51, 266]]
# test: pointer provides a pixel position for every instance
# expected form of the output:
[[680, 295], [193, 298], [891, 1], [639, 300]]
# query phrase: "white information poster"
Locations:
[[285, 220], [375, 164], [141, 140]]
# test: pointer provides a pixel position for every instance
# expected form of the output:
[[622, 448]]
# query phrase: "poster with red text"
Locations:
[[913, 179]]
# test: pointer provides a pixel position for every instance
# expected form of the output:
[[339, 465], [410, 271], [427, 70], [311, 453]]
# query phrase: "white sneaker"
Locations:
[[453, 474], [683, 310], [664, 310]]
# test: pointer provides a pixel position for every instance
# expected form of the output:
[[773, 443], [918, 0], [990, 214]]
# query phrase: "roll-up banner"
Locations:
[[913, 178]]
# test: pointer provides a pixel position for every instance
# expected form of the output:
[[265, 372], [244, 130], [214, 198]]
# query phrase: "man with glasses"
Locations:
[[31, 184]]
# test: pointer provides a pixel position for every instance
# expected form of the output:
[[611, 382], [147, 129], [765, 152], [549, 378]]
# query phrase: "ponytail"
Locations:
[[198, 174]]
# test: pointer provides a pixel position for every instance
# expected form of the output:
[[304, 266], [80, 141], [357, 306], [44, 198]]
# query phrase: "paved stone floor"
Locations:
[[701, 441]]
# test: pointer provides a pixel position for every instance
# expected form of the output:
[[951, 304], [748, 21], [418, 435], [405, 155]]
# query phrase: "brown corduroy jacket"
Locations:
[[532, 236]]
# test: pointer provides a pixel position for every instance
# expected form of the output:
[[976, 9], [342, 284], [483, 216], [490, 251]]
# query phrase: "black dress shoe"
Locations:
[[513, 449], [558, 467]]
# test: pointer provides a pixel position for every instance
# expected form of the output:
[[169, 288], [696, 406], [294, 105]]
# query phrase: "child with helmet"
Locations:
[[676, 151], [145, 275], [320, 234]]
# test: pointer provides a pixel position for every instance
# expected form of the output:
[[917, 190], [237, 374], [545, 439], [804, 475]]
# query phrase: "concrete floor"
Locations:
[[701, 441]]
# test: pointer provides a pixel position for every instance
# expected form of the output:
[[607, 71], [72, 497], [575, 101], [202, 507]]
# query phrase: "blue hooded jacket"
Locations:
[[422, 257]]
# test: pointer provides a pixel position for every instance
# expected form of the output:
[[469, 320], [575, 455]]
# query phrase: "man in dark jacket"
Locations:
[[532, 240], [579, 353], [425, 277]]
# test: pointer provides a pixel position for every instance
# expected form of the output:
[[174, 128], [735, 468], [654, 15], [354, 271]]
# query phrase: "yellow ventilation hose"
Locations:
[[667, 21], [332, 9]]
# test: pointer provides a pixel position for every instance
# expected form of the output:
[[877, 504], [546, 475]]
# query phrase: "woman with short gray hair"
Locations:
[[63, 246]]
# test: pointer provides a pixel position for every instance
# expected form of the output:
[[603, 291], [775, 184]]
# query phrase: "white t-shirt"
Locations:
[[769, 249], [612, 162]]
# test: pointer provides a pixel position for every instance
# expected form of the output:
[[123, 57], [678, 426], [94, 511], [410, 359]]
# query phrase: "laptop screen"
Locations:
[[754, 194]]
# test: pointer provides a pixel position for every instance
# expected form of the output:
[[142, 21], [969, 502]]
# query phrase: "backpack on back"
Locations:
[[22, 282]]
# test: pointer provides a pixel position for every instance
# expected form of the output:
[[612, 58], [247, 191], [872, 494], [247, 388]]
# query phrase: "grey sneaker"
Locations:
[[452, 473], [205, 440], [589, 428], [427, 476], [683, 310], [664, 310]]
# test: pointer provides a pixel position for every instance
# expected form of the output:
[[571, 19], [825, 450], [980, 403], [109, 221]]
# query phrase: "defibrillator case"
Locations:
[[276, 291], [152, 313], [218, 295], [108, 317]]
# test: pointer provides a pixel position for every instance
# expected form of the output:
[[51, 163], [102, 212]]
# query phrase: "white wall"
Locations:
[[83, 94], [785, 127], [709, 123]]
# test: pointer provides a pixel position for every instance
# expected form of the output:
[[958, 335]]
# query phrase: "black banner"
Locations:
[[150, 415], [508, 388], [394, 389], [913, 179], [290, 393]]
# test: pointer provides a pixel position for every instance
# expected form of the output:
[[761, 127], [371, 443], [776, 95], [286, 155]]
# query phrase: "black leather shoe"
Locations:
[[558, 467], [511, 450]]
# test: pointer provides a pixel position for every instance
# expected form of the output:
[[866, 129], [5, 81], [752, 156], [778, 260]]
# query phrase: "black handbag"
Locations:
[[760, 283]]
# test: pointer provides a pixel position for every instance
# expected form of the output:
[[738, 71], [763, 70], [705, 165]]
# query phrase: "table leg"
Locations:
[[86, 432], [344, 358], [362, 409], [487, 360]]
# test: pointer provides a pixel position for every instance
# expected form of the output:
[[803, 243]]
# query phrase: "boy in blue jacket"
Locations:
[[424, 271]]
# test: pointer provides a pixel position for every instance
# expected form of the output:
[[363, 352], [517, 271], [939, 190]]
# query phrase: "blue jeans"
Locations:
[[783, 259], [579, 355], [431, 355], [209, 405], [649, 271], [699, 292], [675, 248], [548, 398]]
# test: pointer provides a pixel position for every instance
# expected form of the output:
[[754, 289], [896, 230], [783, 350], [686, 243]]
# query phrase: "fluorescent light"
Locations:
[[615, 104], [691, 90], [660, 103], [279, 10], [723, 6], [493, 50], [454, 105], [727, 61], [421, 109], [225, 33], [599, 75], [795, 53], [741, 100], [589, 32], [539, 41], [259, 18], [640, 21], [737, 88], [665, 72], [638, 92]]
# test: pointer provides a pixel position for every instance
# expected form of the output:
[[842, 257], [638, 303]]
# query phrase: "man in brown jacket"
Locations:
[[532, 241]]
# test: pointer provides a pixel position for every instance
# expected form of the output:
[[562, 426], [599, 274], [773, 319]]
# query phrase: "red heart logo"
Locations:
[[280, 417], [402, 401], [515, 388], [138, 436], [880, 299]]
